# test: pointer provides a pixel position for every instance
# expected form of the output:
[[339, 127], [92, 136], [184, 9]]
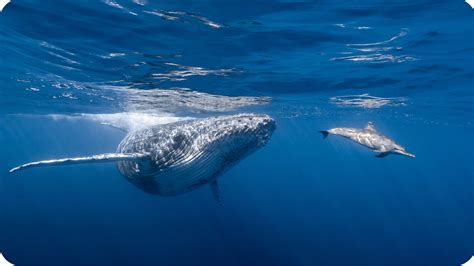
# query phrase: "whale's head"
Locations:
[[245, 129], [236, 136]]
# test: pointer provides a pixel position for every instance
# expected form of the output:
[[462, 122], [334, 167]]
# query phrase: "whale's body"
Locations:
[[176, 158], [185, 155], [370, 138]]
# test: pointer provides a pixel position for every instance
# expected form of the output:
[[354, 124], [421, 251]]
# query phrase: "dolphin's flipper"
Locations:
[[99, 158], [325, 133], [382, 154], [215, 192]]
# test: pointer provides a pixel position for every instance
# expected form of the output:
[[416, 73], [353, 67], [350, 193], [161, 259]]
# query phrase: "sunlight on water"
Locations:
[[367, 101]]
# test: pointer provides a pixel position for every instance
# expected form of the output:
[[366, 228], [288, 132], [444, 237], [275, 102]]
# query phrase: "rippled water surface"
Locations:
[[75, 74]]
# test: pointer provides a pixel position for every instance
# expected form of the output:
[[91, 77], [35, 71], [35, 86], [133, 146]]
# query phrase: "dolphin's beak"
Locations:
[[405, 153]]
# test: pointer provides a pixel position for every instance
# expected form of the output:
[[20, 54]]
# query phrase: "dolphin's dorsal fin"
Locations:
[[215, 191], [98, 158], [370, 127]]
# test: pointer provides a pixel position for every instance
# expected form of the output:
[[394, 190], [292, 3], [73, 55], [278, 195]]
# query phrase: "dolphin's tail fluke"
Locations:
[[99, 158], [325, 133]]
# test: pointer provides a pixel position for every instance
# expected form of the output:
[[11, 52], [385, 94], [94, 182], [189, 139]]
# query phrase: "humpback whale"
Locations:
[[175, 158], [370, 138]]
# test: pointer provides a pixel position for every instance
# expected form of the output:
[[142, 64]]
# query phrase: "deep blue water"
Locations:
[[67, 67]]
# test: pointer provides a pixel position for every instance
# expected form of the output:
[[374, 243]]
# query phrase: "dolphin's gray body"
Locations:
[[176, 158], [370, 138]]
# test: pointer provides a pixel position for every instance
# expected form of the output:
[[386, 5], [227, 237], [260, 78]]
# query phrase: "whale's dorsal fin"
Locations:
[[370, 127], [99, 158], [215, 191]]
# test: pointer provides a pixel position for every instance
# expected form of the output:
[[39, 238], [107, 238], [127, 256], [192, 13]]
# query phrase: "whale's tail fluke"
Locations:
[[99, 158], [325, 133]]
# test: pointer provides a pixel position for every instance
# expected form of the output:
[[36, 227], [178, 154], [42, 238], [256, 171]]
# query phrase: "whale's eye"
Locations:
[[178, 140]]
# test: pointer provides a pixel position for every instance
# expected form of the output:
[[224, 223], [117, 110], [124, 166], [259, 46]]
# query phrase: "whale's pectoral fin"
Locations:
[[382, 154], [215, 192], [99, 158]]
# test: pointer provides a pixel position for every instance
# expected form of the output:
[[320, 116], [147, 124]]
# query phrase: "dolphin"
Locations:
[[370, 138], [175, 158]]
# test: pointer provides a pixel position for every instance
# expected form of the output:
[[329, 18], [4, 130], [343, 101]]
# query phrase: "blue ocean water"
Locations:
[[71, 72]]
